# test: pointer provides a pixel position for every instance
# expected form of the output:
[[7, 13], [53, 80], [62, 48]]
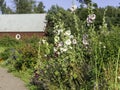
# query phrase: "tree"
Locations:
[[2, 6], [7, 10], [1, 2], [85, 1], [95, 5], [4, 9], [24, 6], [39, 8]]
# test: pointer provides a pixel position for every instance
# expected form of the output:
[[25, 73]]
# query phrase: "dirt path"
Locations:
[[9, 82]]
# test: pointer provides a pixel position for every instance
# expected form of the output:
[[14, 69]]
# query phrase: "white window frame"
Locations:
[[18, 36]]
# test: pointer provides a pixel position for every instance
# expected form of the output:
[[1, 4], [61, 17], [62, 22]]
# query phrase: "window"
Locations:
[[18, 36]]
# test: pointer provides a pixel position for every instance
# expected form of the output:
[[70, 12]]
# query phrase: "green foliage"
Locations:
[[5, 54], [113, 14], [4, 9], [8, 42], [25, 57], [33, 41], [39, 8], [23, 6], [85, 1], [91, 63], [55, 14], [21, 56]]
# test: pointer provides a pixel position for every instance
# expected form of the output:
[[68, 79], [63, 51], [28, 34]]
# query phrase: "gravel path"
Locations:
[[9, 82]]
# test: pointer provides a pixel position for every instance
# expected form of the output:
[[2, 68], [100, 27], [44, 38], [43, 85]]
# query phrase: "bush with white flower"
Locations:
[[63, 41], [82, 58]]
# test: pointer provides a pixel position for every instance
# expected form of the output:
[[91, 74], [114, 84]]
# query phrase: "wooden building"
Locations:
[[22, 25]]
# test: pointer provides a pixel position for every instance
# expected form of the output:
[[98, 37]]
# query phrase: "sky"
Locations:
[[67, 3]]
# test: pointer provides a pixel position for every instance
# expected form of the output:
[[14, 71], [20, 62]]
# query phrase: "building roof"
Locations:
[[22, 23]]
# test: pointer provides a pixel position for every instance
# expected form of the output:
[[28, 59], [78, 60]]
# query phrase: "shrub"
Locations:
[[6, 54], [90, 64], [26, 57], [8, 41]]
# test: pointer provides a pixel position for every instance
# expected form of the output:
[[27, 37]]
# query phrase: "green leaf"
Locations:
[[75, 75], [56, 73]]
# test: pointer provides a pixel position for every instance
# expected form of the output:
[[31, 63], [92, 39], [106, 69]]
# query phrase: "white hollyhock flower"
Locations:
[[68, 42], [63, 49], [85, 36], [55, 31], [58, 53], [73, 8], [74, 41], [59, 31], [85, 41], [91, 18], [60, 44], [43, 41], [67, 33]]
